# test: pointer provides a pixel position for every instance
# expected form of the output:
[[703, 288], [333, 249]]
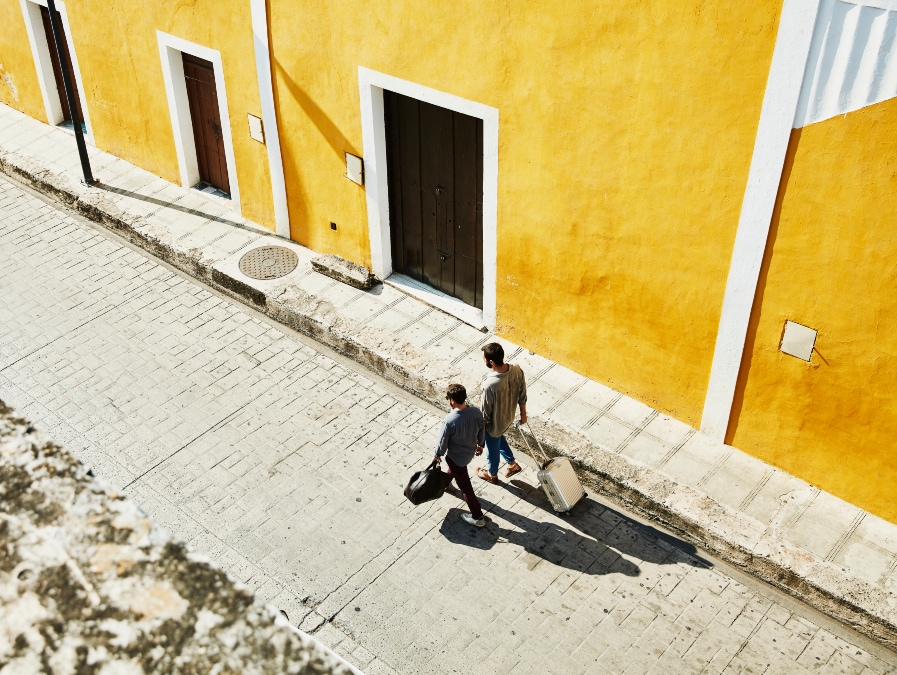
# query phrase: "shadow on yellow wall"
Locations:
[[329, 131], [296, 198]]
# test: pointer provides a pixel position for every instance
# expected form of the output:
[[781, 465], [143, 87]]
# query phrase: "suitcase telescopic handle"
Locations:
[[529, 448]]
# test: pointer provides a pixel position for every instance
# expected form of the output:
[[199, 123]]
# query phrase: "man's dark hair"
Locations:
[[456, 392], [494, 353]]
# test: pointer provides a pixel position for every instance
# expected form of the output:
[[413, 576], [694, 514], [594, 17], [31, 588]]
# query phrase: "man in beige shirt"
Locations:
[[504, 389]]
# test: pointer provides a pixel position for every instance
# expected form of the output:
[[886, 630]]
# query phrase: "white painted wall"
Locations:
[[373, 126], [852, 62]]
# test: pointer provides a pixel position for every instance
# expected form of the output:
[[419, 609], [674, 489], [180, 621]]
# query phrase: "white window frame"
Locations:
[[373, 126], [171, 50], [40, 51]]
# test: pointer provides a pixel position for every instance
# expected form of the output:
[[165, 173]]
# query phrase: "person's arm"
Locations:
[[487, 401], [521, 400], [442, 441], [481, 435]]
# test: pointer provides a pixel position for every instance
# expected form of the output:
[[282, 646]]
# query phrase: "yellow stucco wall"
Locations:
[[126, 94], [626, 132], [118, 56], [831, 264], [19, 87]]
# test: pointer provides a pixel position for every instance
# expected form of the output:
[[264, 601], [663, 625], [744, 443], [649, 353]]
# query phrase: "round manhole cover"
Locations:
[[268, 262]]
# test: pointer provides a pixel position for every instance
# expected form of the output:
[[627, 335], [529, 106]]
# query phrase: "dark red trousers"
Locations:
[[462, 479]]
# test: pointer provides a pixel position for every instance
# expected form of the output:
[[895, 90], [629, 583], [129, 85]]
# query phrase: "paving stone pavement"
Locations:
[[831, 554], [285, 464]]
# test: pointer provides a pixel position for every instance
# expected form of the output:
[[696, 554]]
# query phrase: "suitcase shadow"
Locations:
[[546, 541], [592, 540], [614, 528]]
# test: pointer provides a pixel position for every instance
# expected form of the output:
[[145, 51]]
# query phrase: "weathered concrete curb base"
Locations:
[[735, 537], [92, 584]]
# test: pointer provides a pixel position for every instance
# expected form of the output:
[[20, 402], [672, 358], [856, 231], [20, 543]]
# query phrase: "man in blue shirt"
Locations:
[[461, 438]]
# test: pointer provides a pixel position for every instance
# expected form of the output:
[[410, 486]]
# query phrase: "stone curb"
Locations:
[[345, 271], [726, 533]]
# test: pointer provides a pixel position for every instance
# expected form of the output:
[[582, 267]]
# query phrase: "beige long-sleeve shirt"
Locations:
[[502, 393]]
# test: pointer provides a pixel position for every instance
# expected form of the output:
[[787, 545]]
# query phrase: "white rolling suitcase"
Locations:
[[556, 477]]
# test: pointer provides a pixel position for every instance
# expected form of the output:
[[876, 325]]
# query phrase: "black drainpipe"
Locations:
[[69, 93]]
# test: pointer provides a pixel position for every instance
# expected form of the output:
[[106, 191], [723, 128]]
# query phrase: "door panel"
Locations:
[[396, 169], [410, 207], [434, 169], [468, 221], [202, 96], [432, 157], [57, 68]]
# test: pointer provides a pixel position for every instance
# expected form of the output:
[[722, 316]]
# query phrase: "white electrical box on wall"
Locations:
[[355, 168], [798, 340], [256, 132]]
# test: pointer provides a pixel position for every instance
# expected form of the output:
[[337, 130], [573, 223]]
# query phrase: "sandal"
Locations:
[[486, 476], [514, 468]]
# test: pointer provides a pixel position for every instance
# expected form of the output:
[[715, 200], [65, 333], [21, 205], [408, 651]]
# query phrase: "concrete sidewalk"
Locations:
[[836, 557]]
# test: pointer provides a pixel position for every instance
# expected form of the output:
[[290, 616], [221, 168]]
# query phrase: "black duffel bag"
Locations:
[[427, 485]]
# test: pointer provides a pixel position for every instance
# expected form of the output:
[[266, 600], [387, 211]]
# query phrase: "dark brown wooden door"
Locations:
[[434, 165], [204, 113], [57, 69]]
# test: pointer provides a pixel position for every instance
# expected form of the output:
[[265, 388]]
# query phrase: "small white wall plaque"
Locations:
[[798, 340], [355, 168], [256, 132]]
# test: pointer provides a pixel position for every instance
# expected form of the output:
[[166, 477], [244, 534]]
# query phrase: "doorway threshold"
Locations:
[[69, 126], [472, 316], [211, 190]]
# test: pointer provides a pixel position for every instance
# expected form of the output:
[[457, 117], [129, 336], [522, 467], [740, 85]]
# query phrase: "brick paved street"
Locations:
[[285, 464]]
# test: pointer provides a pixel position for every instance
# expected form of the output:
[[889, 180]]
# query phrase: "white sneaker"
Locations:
[[472, 521]]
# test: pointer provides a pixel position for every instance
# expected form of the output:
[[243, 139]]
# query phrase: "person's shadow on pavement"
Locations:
[[590, 541], [548, 541]]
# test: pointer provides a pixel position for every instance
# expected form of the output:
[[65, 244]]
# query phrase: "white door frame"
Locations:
[[171, 50], [40, 51], [373, 127]]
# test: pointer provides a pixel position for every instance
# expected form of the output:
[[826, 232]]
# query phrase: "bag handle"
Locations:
[[529, 447]]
